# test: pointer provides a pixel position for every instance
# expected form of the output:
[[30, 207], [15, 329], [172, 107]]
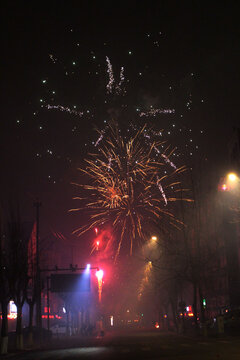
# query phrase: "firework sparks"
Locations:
[[99, 139], [123, 187], [145, 280], [162, 191], [54, 60], [111, 76], [122, 78], [154, 112], [110, 85], [168, 161], [65, 109]]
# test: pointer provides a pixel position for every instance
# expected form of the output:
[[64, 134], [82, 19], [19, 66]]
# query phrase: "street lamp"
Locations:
[[229, 182], [154, 238], [232, 177], [229, 186], [233, 181]]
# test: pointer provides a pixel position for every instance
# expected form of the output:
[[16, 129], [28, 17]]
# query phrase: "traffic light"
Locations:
[[204, 303]]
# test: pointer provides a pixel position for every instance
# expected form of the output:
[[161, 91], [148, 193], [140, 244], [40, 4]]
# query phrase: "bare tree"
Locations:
[[4, 293], [18, 269]]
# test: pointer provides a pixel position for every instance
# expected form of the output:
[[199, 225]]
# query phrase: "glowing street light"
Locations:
[[154, 238], [232, 177], [229, 182]]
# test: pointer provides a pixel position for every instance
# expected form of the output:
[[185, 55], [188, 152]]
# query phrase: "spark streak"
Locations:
[[65, 109], [111, 76], [154, 112]]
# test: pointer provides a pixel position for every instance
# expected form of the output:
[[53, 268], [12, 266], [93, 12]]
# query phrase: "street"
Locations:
[[137, 344]]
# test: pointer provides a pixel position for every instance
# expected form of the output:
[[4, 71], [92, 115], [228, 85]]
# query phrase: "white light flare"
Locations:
[[162, 191]]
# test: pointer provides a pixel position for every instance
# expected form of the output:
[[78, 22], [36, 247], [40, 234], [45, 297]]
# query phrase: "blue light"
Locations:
[[88, 268]]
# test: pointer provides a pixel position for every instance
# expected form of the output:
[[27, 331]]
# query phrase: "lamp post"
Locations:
[[229, 189], [37, 204]]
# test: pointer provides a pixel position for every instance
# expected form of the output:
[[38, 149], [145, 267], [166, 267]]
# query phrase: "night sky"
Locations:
[[177, 55]]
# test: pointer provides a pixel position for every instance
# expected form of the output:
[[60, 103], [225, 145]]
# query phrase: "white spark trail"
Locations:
[[162, 191], [122, 78], [65, 109], [169, 161], [154, 112], [111, 76], [99, 139]]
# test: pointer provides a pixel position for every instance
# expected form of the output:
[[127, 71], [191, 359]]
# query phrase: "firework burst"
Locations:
[[131, 183]]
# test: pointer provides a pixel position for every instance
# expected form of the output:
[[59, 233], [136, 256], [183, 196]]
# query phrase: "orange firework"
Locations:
[[131, 184]]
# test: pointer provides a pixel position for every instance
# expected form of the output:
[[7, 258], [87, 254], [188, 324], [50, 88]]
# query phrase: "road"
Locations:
[[136, 344]]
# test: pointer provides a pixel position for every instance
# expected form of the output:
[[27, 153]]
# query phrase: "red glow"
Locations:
[[157, 325], [46, 316], [99, 275], [190, 314], [96, 231], [224, 187], [12, 316]]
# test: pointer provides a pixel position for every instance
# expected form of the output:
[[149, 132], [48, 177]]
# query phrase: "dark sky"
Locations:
[[181, 55]]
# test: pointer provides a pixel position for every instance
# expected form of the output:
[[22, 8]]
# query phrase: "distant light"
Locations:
[[88, 267], [13, 307], [111, 320], [96, 230], [224, 187], [154, 238], [64, 310]]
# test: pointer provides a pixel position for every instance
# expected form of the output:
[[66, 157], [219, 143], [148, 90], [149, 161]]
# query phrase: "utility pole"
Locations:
[[37, 204]]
